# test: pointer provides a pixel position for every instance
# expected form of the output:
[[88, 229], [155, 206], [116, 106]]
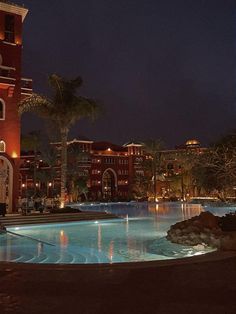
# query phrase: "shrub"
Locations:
[[66, 209]]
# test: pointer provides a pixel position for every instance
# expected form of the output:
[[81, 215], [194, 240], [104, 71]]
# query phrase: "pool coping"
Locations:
[[205, 258]]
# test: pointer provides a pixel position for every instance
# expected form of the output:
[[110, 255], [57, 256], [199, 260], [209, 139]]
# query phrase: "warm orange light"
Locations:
[[63, 239], [111, 251], [18, 40], [14, 155], [50, 184], [109, 149]]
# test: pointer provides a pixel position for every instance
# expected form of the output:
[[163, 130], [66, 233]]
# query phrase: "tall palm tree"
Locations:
[[32, 142], [64, 108], [153, 149], [75, 156]]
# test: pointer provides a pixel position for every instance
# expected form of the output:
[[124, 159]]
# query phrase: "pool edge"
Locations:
[[205, 258]]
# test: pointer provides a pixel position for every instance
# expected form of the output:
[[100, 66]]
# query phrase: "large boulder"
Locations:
[[208, 220], [204, 229]]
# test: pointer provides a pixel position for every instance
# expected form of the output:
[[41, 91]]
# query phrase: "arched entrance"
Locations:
[[6, 183], [109, 184]]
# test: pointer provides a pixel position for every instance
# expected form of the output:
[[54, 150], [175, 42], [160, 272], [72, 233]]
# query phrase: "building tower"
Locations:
[[136, 158], [12, 88]]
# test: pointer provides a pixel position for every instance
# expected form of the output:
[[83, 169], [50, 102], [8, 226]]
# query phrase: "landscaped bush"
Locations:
[[64, 210]]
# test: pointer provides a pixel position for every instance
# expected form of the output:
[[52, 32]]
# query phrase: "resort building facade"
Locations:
[[108, 172], [12, 89]]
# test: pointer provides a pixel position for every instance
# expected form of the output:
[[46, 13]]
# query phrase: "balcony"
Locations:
[[7, 75], [26, 86]]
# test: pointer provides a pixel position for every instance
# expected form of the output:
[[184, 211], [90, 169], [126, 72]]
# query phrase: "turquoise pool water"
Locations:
[[138, 236]]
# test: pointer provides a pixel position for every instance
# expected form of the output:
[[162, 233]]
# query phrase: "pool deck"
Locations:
[[11, 220], [202, 284]]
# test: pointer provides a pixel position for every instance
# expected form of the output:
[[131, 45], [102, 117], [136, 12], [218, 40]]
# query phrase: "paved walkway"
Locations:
[[201, 285]]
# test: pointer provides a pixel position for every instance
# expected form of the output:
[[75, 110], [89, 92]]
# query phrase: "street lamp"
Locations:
[[23, 185], [49, 188]]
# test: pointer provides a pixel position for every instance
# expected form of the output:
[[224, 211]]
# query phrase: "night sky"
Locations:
[[162, 68]]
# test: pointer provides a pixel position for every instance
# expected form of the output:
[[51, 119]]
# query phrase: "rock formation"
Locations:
[[206, 230]]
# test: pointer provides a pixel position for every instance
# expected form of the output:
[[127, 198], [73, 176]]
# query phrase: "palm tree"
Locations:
[[153, 149], [64, 108], [74, 173], [49, 155], [32, 142]]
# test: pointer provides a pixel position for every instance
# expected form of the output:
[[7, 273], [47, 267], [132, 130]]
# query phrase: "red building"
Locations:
[[12, 88], [176, 180], [108, 169], [113, 169]]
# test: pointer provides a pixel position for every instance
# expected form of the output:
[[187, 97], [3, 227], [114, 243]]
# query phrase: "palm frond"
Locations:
[[34, 103]]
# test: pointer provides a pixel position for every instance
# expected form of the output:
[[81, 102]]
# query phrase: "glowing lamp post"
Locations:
[[23, 186], [49, 189], [14, 155]]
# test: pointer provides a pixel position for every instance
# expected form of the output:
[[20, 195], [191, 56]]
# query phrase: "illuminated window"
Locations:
[[10, 28], [2, 146], [2, 110]]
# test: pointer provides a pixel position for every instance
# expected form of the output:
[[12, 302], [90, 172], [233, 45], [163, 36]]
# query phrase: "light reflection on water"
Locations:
[[138, 237]]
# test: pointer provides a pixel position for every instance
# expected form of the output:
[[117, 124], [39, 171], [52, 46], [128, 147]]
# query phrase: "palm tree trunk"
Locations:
[[35, 170], [182, 187], [155, 179], [64, 135], [85, 195]]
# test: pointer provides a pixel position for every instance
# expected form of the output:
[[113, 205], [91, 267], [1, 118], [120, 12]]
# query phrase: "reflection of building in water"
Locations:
[[99, 238], [160, 209], [63, 239], [127, 224], [40, 248], [189, 210], [111, 251], [169, 209]]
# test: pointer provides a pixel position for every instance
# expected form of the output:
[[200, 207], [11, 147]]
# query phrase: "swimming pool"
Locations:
[[138, 236]]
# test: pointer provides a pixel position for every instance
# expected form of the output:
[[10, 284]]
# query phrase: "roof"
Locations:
[[11, 7], [192, 142], [80, 140], [132, 143], [108, 146]]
